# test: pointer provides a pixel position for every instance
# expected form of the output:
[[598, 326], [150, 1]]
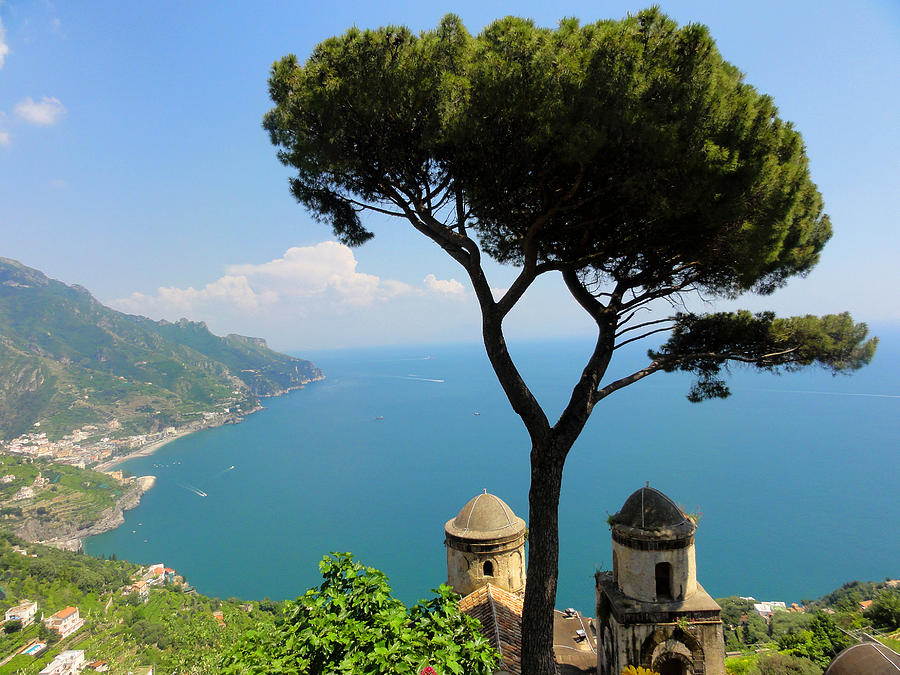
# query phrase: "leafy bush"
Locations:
[[884, 612], [12, 626], [352, 624], [782, 664], [820, 643]]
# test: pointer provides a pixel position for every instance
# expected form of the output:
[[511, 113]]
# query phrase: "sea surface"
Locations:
[[797, 476]]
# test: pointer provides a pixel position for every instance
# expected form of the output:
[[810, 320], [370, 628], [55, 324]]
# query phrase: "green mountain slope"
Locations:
[[66, 361]]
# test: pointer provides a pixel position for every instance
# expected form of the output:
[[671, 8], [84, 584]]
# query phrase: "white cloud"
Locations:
[[44, 113], [4, 138], [170, 302], [445, 286], [59, 184], [4, 48], [326, 269], [307, 281]]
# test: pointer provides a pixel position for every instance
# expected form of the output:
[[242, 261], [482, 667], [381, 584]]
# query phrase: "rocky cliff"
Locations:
[[70, 536]]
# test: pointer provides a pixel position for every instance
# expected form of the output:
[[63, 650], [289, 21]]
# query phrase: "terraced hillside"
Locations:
[[171, 626], [41, 500]]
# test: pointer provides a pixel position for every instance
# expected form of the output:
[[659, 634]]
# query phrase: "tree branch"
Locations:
[[669, 362], [643, 298], [466, 252], [460, 214], [584, 398], [640, 325], [643, 335], [630, 379], [583, 296], [368, 207]]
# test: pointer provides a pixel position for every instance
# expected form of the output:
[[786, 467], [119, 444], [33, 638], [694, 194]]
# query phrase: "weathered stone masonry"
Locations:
[[651, 611]]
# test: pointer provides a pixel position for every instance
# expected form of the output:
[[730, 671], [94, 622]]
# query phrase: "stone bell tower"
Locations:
[[485, 544], [651, 611]]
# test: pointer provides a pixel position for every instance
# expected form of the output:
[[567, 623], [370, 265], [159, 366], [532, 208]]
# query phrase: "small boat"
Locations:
[[380, 417], [476, 413]]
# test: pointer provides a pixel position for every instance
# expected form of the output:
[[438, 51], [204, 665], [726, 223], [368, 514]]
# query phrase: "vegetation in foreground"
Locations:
[[351, 624], [172, 629]]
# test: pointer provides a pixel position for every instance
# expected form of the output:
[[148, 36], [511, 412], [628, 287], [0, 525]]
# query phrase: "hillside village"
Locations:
[[65, 613], [42, 634]]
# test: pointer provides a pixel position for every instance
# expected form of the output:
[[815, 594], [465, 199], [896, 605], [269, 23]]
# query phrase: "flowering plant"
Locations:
[[428, 670]]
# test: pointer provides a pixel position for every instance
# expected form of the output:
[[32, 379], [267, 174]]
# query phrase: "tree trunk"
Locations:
[[543, 561]]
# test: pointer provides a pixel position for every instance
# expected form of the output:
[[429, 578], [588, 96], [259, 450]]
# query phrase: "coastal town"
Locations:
[[100, 446]]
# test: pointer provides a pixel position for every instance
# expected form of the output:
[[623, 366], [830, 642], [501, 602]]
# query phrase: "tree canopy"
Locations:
[[628, 148], [820, 643], [626, 156]]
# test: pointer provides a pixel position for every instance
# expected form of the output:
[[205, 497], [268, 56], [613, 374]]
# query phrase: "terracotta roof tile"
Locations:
[[500, 614]]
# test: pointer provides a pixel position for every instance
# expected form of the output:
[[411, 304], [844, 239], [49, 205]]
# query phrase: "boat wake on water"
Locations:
[[191, 488]]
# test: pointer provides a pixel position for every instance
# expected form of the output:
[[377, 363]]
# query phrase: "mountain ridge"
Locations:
[[67, 360]]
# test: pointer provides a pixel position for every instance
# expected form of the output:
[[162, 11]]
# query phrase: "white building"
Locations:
[[767, 609], [65, 621], [23, 612], [69, 662]]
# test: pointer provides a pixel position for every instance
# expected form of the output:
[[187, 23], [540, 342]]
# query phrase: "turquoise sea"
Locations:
[[796, 476]]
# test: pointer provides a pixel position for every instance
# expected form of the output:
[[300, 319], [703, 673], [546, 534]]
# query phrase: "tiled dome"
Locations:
[[485, 516]]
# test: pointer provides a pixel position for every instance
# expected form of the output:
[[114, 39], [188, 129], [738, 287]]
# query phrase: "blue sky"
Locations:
[[132, 162]]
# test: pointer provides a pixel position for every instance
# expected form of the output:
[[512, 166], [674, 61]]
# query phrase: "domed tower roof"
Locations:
[[649, 514], [867, 657], [485, 516]]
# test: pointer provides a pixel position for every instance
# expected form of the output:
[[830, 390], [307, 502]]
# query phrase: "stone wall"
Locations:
[[466, 569], [635, 571], [653, 635]]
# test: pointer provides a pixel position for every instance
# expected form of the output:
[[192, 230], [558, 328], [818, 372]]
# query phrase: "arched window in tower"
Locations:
[[672, 666], [488, 568], [663, 582]]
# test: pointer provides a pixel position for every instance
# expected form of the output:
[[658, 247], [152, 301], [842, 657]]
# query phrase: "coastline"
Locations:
[[115, 518], [149, 448], [73, 540]]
